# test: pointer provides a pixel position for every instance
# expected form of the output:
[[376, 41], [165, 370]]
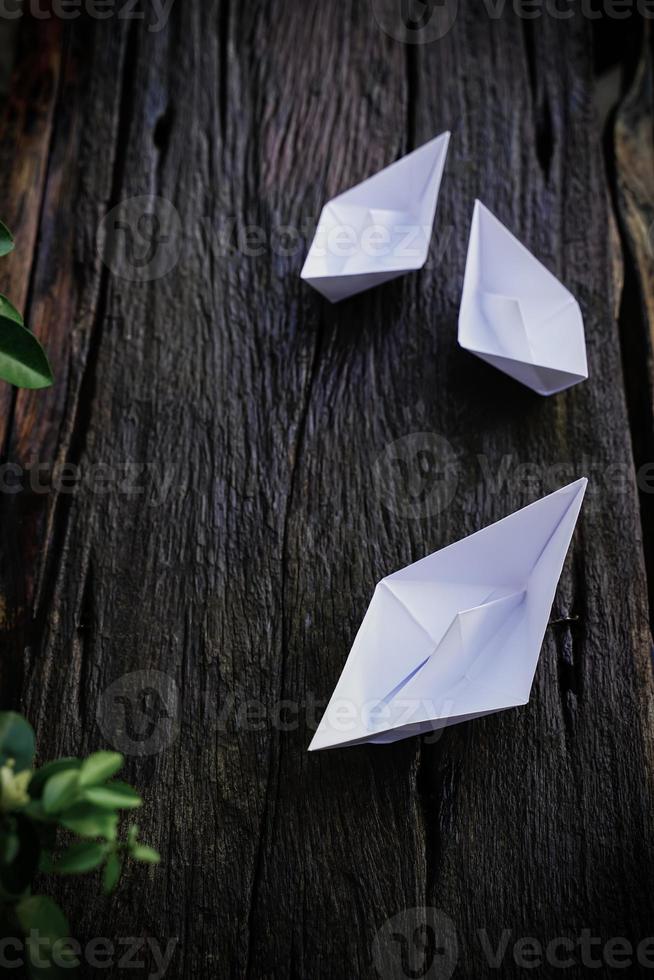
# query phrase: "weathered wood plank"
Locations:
[[63, 198], [242, 449], [593, 687], [24, 144], [255, 415], [518, 812], [26, 133]]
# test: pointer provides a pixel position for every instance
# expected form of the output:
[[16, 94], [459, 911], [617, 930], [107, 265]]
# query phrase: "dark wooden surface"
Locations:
[[241, 572]]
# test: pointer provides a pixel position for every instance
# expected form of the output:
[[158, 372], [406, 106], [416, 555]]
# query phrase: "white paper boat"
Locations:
[[379, 229], [457, 634], [515, 314]]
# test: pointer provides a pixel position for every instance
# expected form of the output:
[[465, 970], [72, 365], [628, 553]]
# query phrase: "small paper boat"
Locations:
[[379, 229], [515, 314]]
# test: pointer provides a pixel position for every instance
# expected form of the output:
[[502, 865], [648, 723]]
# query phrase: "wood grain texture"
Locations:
[[253, 415], [632, 148], [25, 133]]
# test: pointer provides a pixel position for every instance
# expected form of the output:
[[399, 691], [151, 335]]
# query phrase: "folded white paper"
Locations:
[[457, 634], [515, 314], [380, 228]]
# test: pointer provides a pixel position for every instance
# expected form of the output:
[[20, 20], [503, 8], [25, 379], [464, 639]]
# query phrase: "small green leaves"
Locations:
[[81, 857], [69, 794], [61, 791], [100, 766], [6, 240], [78, 793], [41, 776], [16, 741], [113, 796], [87, 856], [140, 852], [87, 821], [144, 853]]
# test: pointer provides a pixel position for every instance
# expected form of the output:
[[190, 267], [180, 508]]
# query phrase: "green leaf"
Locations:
[[60, 791], [81, 857], [8, 309], [113, 796], [42, 775], [100, 766], [44, 915], [111, 873], [87, 821], [22, 359], [6, 240], [16, 740], [44, 924], [140, 852]]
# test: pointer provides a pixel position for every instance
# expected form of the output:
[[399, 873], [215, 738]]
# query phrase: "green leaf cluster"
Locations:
[[78, 798]]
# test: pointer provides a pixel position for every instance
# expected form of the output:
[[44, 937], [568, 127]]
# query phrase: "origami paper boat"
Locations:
[[457, 634], [515, 314], [379, 229]]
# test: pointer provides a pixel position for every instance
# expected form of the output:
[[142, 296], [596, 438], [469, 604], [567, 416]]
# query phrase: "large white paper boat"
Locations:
[[457, 634]]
